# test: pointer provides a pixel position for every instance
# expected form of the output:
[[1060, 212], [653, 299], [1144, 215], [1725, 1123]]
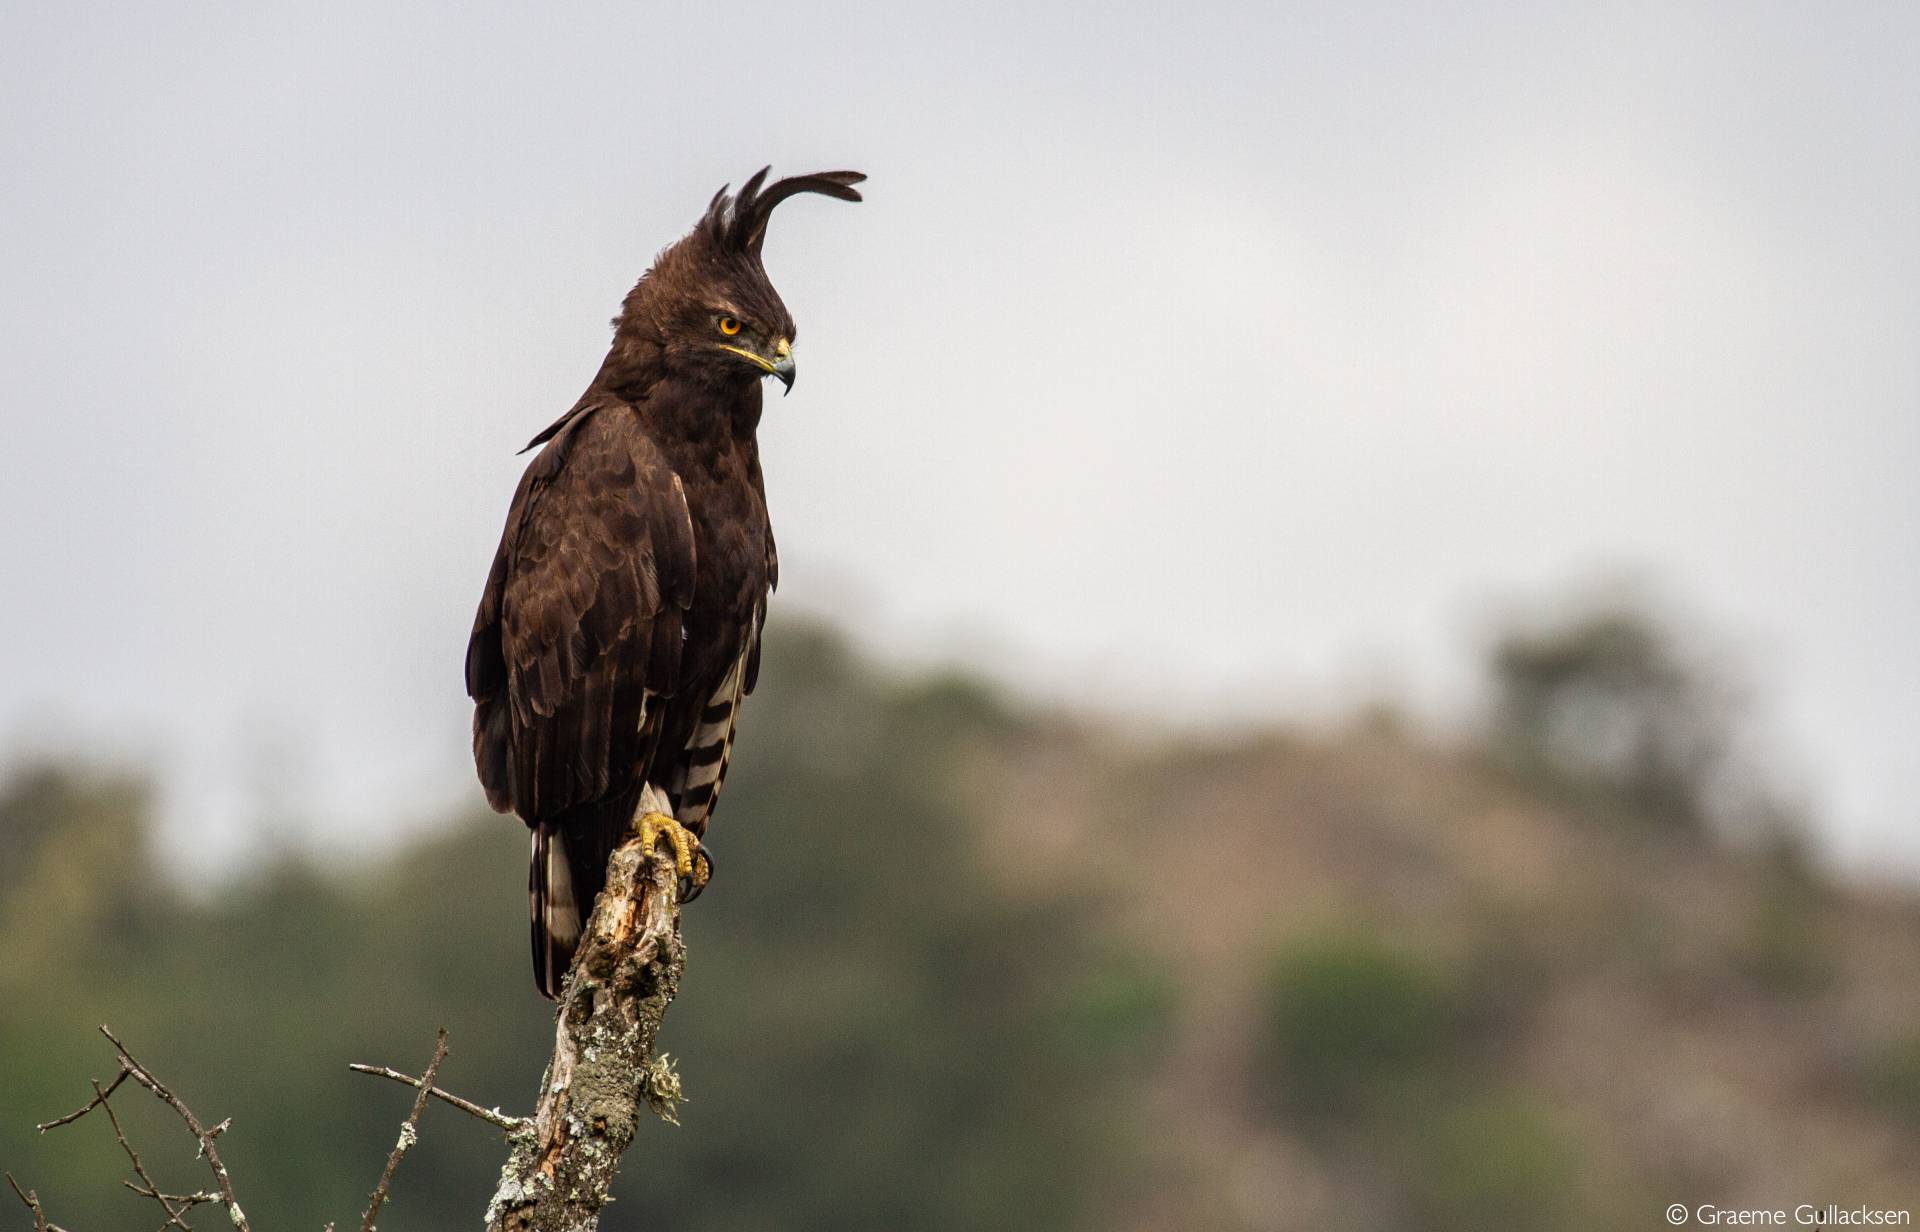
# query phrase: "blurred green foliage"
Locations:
[[1349, 1014], [1380, 1053], [872, 1034], [1491, 1159], [1890, 1075], [1122, 1008]]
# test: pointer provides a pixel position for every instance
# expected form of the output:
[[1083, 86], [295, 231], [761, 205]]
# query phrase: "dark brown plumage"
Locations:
[[620, 625]]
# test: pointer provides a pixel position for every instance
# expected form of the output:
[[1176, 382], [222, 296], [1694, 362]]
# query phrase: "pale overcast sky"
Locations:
[[1184, 359]]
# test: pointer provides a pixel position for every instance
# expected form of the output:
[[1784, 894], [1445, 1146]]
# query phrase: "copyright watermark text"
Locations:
[[1806, 1215]]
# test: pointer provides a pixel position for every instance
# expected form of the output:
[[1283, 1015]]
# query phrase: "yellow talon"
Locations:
[[652, 827]]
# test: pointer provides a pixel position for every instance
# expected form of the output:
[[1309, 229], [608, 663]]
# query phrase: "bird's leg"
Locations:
[[693, 864]]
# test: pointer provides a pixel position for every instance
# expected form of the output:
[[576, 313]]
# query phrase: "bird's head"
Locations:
[[706, 308]]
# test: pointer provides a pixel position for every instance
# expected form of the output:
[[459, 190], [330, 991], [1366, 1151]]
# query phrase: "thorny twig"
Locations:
[[139, 1170], [189, 1200], [99, 1097], [140, 1074], [130, 1068], [176, 1205], [409, 1132], [492, 1116], [32, 1200]]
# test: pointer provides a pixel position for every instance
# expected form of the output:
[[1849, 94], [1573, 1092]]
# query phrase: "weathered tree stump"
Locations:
[[603, 1073]]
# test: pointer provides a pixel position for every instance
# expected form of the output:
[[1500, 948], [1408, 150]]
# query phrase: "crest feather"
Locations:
[[738, 223]]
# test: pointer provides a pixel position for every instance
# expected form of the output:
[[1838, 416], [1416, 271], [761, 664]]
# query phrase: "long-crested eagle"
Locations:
[[620, 626]]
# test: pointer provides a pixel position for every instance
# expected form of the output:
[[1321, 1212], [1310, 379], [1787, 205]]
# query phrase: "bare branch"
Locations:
[[173, 1216], [205, 1136], [492, 1116], [561, 1161], [560, 1167], [409, 1133], [193, 1199], [99, 1097], [32, 1200]]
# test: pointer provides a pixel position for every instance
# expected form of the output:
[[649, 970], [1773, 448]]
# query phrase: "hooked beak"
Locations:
[[781, 365]]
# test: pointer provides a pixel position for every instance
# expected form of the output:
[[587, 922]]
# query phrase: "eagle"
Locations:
[[620, 626]]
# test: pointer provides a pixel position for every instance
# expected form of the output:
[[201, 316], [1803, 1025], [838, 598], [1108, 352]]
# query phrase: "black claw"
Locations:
[[690, 887]]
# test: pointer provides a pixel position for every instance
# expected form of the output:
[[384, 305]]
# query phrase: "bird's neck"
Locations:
[[699, 418]]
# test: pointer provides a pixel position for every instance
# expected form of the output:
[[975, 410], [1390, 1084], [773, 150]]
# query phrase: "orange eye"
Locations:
[[729, 326]]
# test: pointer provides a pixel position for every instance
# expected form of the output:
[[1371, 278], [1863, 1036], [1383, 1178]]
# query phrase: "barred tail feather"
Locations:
[[555, 909]]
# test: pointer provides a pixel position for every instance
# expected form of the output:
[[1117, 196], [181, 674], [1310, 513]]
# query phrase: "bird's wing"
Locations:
[[580, 626]]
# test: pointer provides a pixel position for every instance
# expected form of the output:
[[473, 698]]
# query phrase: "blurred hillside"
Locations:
[[973, 965]]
